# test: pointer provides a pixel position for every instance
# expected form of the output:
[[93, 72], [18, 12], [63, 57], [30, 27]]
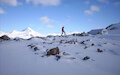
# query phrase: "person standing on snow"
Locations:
[[63, 31]]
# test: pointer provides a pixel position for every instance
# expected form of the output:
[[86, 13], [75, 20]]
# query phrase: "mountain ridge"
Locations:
[[28, 32]]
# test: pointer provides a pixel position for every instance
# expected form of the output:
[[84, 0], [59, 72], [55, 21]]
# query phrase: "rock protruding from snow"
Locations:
[[58, 57], [53, 51], [80, 34], [98, 50], [4, 37], [33, 47], [86, 58]]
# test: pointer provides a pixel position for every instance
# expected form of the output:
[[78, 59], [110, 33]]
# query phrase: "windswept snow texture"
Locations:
[[16, 58]]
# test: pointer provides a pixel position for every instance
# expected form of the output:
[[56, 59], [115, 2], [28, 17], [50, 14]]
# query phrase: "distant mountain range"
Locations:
[[28, 32]]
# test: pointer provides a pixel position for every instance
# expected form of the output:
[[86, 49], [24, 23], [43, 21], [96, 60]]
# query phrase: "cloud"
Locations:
[[89, 12], [94, 8], [10, 2], [50, 26], [45, 2], [87, 2], [117, 4], [2, 11], [103, 1], [45, 19]]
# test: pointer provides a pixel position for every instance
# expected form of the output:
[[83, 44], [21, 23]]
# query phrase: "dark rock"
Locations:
[[43, 42], [53, 51], [54, 39], [17, 39], [73, 41], [86, 58], [109, 26], [51, 43], [73, 34], [4, 37], [64, 53], [99, 45], [88, 40], [92, 44], [83, 42], [30, 38], [105, 43], [80, 34], [35, 48], [62, 41], [58, 57], [36, 54], [78, 53], [85, 47], [42, 56], [98, 50], [31, 46], [49, 36]]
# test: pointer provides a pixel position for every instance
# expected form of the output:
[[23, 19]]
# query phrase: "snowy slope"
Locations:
[[114, 28], [16, 58], [111, 29]]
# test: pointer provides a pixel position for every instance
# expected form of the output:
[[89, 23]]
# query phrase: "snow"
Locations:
[[25, 34], [59, 34], [98, 31], [114, 28], [28, 33], [16, 58]]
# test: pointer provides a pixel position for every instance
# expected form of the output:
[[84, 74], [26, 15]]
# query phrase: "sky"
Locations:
[[48, 16]]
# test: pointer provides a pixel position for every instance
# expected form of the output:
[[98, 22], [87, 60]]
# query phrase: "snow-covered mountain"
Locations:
[[26, 33], [114, 28], [111, 29]]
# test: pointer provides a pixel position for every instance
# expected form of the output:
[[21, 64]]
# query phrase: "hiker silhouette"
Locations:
[[63, 31]]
